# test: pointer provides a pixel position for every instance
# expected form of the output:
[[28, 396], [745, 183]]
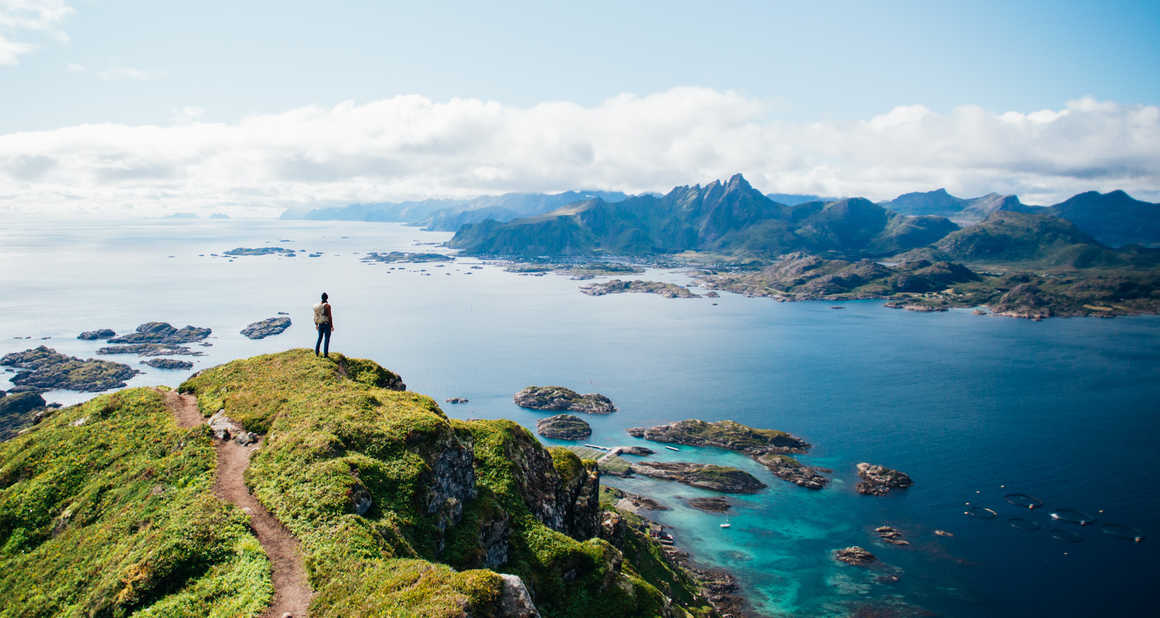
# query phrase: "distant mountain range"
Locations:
[[734, 217], [730, 217]]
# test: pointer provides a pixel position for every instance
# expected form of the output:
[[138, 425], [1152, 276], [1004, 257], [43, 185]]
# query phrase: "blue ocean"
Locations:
[[972, 407]]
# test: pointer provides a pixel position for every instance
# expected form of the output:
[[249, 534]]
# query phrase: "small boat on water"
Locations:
[[673, 448], [726, 525]]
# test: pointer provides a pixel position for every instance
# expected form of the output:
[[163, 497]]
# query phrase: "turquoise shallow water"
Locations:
[[1065, 410]]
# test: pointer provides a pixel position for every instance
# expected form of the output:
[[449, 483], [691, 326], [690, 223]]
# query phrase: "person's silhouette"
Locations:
[[324, 322]]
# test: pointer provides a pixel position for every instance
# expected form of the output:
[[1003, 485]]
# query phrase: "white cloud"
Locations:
[[129, 73], [24, 17], [411, 147]]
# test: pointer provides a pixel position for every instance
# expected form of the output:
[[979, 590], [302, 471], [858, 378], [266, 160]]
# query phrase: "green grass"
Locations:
[[333, 431], [114, 515]]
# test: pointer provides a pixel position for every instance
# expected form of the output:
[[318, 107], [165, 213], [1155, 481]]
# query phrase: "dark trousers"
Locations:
[[323, 333]]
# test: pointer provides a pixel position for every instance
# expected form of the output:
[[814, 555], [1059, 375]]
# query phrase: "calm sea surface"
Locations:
[[972, 407]]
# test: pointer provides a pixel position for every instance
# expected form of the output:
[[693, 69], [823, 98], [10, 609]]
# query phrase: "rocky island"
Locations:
[[252, 251], [766, 446], [855, 556], [163, 332], [44, 368], [266, 328], [617, 286], [716, 504], [18, 410], [97, 335], [875, 480], [729, 435], [168, 363], [563, 427], [403, 257], [149, 349], [724, 479], [558, 398]]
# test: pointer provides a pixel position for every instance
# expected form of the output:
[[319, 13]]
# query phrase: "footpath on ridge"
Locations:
[[292, 590]]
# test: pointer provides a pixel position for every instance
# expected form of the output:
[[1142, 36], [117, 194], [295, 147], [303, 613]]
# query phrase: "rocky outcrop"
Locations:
[[456, 400], [716, 504], [168, 363], [639, 451], [515, 602], [97, 335], [891, 535], [729, 435], [634, 503], [563, 427], [163, 332], [453, 481], [854, 555], [706, 476], [224, 428], [558, 398], [19, 410], [789, 469], [617, 286], [150, 349], [251, 251], [44, 368], [579, 497], [878, 480], [397, 257], [266, 328]]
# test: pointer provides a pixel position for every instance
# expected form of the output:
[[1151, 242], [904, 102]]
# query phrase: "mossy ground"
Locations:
[[106, 509], [334, 430]]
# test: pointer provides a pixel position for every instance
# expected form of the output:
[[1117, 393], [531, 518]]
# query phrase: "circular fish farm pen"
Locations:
[[1121, 531], [1024, 501], [981, 512], [1072, 516], [1025, 525], [1065, 536]]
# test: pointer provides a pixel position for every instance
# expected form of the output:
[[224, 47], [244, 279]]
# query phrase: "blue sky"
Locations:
[[128, 64], [841, 61]]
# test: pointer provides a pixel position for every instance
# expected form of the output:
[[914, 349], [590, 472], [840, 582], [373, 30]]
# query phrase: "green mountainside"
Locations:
[[730, 217], [107, 508]]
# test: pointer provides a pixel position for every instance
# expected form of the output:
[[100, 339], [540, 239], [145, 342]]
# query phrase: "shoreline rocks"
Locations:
[[163, 332], [563, 427], [558, 398], [44, 368], [150, 349], [891, 535], [19, 410], [266, 328], [456, 400], [723, 479], [97, 335], [879, 480]]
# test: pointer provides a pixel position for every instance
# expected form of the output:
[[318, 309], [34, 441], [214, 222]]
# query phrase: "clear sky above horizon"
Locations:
[[65, 63]]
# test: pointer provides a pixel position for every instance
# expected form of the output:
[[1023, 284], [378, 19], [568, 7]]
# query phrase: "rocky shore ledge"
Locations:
[[558, 398], [789, 469], [163, 332], [618, 286], [878, 480], [724, 479], [563, 427], [44, 368]]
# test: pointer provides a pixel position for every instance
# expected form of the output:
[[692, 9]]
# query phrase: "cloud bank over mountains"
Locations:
[[412, 147]]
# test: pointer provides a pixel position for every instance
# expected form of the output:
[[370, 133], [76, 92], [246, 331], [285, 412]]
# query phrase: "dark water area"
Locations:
[[973, 408]]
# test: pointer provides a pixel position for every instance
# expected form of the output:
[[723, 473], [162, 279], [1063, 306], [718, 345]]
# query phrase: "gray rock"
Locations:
[[878, 480], [854, 555], [246, 438], [361, 500], [95, 335], [266, 328], [515, 601], [151, 349], [222, 426], [44, 368]]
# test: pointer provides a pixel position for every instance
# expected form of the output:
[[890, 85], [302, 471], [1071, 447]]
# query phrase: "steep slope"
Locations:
[[1041, 240], [729, 217], [958, 209], [1114, 219]]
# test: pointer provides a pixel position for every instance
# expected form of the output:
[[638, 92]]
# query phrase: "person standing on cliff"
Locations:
[[324, 322]]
